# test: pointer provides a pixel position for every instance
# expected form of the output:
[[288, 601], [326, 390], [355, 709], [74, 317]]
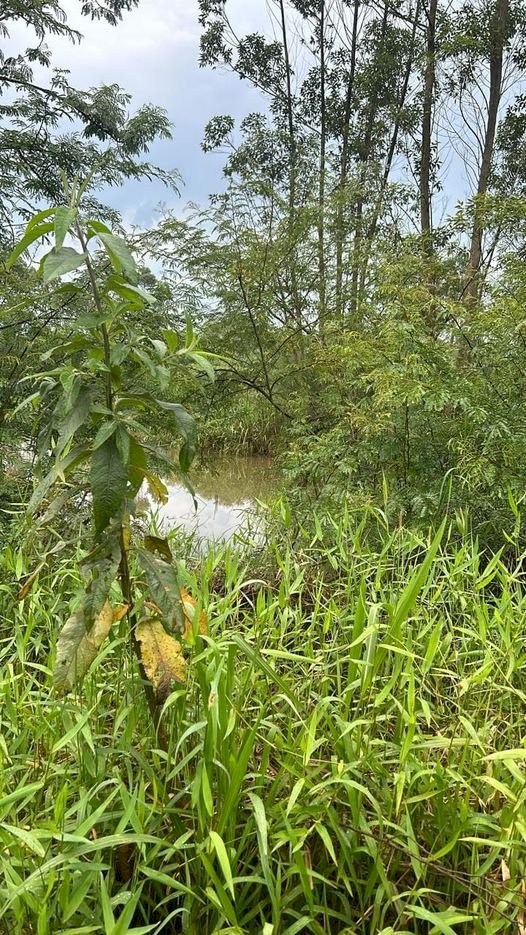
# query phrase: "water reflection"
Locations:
[[225, 494]]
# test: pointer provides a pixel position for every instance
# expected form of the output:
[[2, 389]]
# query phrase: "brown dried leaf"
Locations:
[[161, 656], [28, 581], [119, 612]]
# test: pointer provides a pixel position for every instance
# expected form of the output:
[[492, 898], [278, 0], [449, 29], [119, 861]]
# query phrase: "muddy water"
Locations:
[[225, 492]]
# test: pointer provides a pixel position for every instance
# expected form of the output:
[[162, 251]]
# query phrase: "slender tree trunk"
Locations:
[[371, 231], [291, 220], [321, 191], [356, 261], [425, 161], [499, 31], [344, 167]]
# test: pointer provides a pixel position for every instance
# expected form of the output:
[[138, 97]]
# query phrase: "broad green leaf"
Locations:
[[78, 644], [204, 364], [32, 234], [109, 479], [136, 463], [76, 418], [160, 347], [61, 261], [119, 254], [37, 219], [133, 294], [94, 228], [64, 218], [105, 431], [187, 427], [172, 339]]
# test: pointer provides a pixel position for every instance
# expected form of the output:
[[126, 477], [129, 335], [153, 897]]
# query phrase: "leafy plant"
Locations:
[[95, 441]]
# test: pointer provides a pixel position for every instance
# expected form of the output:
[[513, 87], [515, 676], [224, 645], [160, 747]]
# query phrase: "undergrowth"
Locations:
[[348, 754]]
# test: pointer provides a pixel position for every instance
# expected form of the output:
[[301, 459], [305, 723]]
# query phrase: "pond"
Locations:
[[226, 492]]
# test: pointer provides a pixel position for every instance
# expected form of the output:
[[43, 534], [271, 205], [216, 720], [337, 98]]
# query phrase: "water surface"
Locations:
[[226, 492]]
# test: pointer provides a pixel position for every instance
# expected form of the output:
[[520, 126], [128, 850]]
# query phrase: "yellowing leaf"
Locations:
[[161, 656], [29, 581], [158, 490], [78, 645], [119, 612], [189, 606]]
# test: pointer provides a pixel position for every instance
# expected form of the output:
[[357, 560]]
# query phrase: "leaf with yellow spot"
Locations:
[[161, 656], [78, 645]]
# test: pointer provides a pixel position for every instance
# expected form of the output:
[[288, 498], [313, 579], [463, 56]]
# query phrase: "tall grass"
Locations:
[[348, 756]]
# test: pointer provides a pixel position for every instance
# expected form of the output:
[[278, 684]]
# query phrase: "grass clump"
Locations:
[[347, 756]]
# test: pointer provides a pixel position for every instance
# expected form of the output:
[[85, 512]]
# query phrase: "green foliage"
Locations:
[[347, 754], [93, 435]]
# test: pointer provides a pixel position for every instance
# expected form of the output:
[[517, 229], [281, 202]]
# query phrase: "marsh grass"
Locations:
[[348, 756]]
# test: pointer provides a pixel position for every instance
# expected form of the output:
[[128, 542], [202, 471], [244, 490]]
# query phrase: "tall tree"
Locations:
[[498, 36]]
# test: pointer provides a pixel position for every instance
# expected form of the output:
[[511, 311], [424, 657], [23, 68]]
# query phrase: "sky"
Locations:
[[154, 55]]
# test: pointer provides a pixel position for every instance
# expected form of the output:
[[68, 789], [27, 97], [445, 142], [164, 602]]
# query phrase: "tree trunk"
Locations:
[[344, 168], [291, 220], [356, 261], [425, 161], [371, 231], [321, 191], [498, 37]]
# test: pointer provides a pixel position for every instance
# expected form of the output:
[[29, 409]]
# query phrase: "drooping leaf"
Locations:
[[164, 587], [156, 487], [100, 569], [204, 364], [136, 462], [76, 418], [187, 427], [59, 470], [156, 544], [64, 218], [119, 254], [94, 228], [61, 261], [78, 644], [161, 656], [133, 294], [109, 479]]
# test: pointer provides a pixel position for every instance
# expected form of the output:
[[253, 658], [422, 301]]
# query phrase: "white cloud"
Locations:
[[154, 55]]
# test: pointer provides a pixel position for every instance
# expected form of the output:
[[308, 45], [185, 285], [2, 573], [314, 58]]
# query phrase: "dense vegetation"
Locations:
[[320, 728]]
